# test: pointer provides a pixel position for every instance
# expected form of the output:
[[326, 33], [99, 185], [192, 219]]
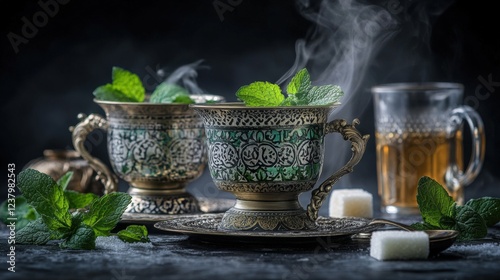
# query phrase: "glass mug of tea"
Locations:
[[419, 132]]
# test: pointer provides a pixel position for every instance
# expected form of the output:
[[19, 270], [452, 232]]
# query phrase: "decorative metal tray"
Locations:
[[207, 205], [206, 228]]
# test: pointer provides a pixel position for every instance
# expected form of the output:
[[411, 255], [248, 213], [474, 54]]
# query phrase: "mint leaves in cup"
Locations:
[[439, 211], [127, 87], [300, 92]]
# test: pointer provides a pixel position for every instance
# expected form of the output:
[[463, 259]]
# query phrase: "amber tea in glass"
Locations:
[[419, 133]]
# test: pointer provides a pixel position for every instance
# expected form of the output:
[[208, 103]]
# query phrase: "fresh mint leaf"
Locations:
[[128, 83], [433, 201], [469, 223], [134, 233], [83, 238], [35, 232], [260, 94], [439, 211], [300, 93], [79, 200], [447, 222], [126, 87], [488, 208], [105, 212], [24, 213], [170, 93], [291, 100], [300, 83], [65, 179], [109, 93], [46, 197]]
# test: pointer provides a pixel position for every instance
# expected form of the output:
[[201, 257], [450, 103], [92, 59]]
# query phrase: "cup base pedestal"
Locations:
[[171, 202], [262, 220]]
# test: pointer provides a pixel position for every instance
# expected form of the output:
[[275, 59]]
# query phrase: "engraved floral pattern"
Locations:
[[256, 155], [147, 143]]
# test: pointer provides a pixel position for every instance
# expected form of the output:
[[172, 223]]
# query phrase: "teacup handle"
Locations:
[[79, 135], [469, 115], [358, 145]]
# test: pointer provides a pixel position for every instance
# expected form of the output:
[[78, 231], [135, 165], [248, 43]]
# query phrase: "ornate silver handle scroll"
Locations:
[[80, 133], [358, 145]]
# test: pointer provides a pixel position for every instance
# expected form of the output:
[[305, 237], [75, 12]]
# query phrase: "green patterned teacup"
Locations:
[[267, 156], [156, 148]]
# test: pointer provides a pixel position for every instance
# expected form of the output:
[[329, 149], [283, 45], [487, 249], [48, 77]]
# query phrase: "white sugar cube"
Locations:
[[399, 245], [351, 203]]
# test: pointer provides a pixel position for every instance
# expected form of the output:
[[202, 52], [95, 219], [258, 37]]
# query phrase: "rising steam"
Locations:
[[344, 47], [185, 76], [340, 46]]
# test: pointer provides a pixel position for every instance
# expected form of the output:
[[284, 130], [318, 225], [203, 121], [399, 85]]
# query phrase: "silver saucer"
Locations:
[[206, 228], [206, 205]]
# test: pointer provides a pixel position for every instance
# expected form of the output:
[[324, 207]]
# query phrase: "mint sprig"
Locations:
[[47, 198], [77, 229], [439, 211], [300, 92], [105, 212], [126, 87], [24, 213], [261, 94]]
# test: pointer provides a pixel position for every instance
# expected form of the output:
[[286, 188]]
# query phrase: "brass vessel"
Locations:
[[56, 163]]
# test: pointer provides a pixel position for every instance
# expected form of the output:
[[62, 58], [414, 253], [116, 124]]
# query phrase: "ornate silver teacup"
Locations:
[[267, 156], [156, 148]]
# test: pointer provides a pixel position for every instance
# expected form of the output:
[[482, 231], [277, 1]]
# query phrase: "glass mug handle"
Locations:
[[358, 145], [476, 126], [79, 134]]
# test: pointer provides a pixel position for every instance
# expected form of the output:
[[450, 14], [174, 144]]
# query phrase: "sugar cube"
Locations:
[[399, 245], [351, 203]]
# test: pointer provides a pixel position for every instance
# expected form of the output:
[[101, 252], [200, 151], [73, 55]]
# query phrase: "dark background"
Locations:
[[51, 78]]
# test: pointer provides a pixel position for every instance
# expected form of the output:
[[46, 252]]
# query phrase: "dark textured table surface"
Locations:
[[173, 256]]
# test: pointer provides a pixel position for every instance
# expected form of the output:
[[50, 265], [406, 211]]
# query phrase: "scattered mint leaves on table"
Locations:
[[24, 212], [300, 92], [78, 229], [126, 87], [134, 233], [79, 200], [488, 208], [47, 198], [439, 211], [105, 212]]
